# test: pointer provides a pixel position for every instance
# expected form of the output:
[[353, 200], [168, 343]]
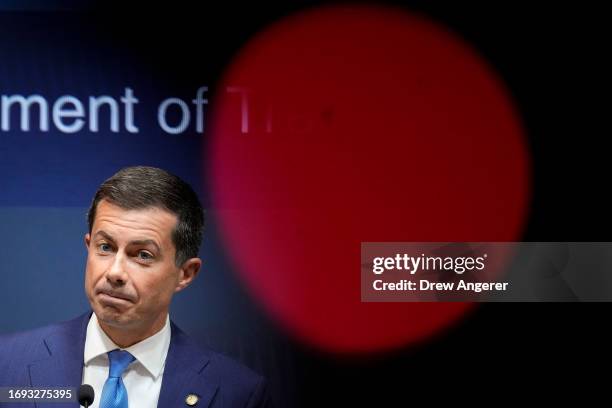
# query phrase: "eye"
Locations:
[[104, 247], [144, 255]]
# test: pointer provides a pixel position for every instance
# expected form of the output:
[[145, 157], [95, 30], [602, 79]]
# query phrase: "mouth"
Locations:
[[113, 297]]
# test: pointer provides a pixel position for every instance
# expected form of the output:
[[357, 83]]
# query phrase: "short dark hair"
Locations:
[[142, 187]]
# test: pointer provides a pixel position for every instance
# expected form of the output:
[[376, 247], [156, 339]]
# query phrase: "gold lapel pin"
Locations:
[[191, 400]]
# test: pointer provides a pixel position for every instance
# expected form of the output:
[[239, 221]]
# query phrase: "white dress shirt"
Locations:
[[142, 378]]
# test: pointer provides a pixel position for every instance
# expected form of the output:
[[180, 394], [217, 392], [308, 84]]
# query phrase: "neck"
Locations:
[[128, 336]]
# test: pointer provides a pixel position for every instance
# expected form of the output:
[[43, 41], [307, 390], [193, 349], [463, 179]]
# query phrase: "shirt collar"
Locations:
[[150, 352]]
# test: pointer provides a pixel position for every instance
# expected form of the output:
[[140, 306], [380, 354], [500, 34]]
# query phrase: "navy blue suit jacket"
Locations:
[[52, 356]]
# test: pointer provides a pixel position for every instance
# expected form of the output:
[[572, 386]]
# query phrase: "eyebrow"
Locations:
[[109, 237]]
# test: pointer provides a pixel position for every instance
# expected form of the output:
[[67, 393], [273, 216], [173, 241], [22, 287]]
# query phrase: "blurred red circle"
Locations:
[[343, 125]]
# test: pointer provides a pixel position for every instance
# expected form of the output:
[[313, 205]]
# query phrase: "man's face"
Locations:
[[131, 273]]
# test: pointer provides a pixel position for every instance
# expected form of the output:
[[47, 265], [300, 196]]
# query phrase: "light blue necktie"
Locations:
[[114, 394]]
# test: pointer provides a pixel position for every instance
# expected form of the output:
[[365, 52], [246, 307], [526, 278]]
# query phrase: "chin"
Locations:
[[112, 317]]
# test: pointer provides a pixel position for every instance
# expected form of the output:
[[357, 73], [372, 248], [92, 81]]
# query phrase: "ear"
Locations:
[[87, 240], [188, 272]]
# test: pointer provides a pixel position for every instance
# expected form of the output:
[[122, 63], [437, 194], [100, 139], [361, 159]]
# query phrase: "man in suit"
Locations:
[[145, 229]]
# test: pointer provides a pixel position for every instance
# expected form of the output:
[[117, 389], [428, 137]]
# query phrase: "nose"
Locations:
[[116, 273]]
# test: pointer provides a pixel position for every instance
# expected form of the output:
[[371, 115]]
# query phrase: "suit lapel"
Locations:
[[185, 374], [64, 366]]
